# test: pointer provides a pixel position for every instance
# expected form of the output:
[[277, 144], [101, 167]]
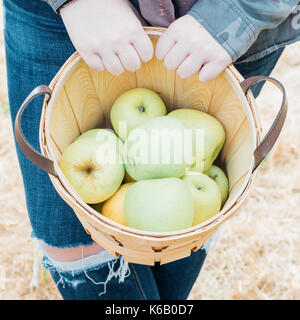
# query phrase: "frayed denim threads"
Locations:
[[75, 272]]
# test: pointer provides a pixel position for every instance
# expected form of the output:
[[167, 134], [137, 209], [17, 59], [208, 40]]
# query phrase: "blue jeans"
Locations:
[[37, 45], [118, 280]]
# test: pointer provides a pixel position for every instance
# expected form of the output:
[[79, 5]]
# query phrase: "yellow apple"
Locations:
[[113, 208]]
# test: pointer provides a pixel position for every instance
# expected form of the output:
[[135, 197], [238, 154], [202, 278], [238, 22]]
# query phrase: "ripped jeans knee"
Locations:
[[88, 274], [87, 277], [102, 276]]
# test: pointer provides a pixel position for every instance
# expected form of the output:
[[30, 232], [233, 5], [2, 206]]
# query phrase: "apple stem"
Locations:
[[89, 170], [142, 108]]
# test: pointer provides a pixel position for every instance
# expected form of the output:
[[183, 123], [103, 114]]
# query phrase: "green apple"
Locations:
[[206, 195], [218, 175], [134, 107], [159, 205], [208, 148], [156, 149], [93, 165]]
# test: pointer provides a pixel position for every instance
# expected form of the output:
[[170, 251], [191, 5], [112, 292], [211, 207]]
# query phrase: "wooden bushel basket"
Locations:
[[79, 99]]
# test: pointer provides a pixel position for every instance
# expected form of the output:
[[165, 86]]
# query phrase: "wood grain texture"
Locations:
[[84, 99], [55, 152], [63, 124], [240, 155], [155, 76], [192, 93], [108, 88], [226, 107]]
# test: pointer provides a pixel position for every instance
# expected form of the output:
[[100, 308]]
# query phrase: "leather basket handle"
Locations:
[[271, 137], [35, 157]]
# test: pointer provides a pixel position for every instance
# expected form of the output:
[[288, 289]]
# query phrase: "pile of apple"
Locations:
[[155, 171]]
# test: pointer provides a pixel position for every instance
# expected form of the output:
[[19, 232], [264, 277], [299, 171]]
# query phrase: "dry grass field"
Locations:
[[258, 252]]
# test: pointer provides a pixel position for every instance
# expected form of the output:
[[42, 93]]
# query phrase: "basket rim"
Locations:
[[62, 183]]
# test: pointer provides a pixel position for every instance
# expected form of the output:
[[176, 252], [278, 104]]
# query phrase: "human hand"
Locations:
[[107, 34], [188, 48]]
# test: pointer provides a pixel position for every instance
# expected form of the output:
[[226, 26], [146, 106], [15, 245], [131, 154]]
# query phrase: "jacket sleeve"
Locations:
[[236, 24], [56, 4]]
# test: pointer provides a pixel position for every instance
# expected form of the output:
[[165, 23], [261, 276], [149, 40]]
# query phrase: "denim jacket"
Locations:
[[247, 29], [250, 29]]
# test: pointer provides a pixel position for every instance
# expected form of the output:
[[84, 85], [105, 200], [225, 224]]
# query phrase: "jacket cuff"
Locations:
[[227, 24], [56, 4]]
